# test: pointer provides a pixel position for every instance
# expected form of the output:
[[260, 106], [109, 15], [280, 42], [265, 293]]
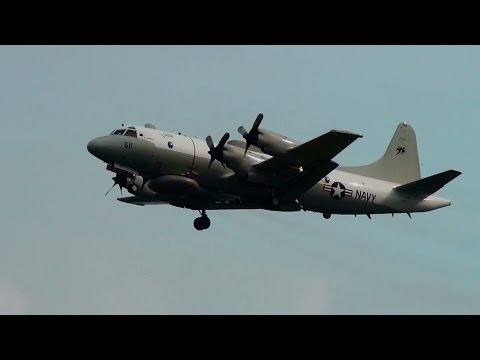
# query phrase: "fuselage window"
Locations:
[[170, 144], [117, 132], [131, 133]]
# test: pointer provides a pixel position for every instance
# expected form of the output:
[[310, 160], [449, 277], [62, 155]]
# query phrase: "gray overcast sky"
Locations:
[[65, 248]]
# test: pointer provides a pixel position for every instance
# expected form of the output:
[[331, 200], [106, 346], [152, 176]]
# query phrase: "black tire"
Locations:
[[275, 201], [205, 222], [327, 215], [198, 224]]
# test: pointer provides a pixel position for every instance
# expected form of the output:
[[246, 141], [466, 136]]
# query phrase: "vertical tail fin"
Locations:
[[400, 162]]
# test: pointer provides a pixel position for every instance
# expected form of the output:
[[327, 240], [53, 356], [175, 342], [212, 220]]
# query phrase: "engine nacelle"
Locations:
[[235, 159], [127, 178], [173, 185], [133, 183], [135, 180], [272, 143]]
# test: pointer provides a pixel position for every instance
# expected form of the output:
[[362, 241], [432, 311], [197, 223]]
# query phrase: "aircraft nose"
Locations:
[[102, 148], [106, 148], [94, 147]]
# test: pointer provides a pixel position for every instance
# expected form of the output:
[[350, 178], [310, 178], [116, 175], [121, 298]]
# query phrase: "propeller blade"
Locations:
[[216, 152], [110, 188], [242, 131], [252, 136], [222, 142], [115, 182], [209, 142], [257, 122], [213, 159]]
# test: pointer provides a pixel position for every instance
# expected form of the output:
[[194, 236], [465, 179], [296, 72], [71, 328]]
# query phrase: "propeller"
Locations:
[[116, 180], [216, 152], [252, 136]]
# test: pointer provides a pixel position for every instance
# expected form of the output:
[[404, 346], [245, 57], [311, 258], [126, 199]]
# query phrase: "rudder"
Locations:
[[399, 164]]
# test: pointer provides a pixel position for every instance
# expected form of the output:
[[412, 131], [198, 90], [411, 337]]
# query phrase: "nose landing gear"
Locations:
[[202, 222]]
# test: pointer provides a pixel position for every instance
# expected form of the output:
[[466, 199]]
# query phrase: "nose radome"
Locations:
[[106, 148], [93, 146], [100, 147]]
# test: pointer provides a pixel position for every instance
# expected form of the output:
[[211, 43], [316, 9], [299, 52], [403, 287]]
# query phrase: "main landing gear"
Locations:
[[202, 222]]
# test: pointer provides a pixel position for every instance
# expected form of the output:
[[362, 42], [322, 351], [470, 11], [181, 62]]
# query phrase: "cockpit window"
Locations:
[[131, 133], [127, 132], [117, 132]]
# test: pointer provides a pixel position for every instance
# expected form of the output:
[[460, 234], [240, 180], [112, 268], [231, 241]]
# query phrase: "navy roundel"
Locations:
[[337, 190]]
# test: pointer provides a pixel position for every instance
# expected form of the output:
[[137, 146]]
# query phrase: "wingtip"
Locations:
[[358, 136], [455, 173], [348, 133]]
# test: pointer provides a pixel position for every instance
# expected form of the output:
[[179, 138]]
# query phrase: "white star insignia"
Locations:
[[338, 191]]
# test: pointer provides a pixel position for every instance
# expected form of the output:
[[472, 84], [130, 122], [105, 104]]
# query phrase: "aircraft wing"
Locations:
[[137, 200], [323, 147], [294, 188], [303, 166], [191, 202]]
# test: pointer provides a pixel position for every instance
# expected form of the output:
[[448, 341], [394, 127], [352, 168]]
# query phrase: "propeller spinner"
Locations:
[[216, 152], [252, 136]]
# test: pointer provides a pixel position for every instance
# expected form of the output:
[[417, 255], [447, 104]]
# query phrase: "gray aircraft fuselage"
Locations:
[[154, 154]]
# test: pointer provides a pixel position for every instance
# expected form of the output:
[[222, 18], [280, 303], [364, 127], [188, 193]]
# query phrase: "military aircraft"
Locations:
[[267, 171]]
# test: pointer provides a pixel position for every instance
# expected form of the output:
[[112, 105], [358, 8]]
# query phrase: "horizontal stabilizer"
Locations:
[[430, 184]]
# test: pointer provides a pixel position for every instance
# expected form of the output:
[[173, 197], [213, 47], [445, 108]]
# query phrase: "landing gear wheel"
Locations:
[[275, 201], [205, 222], [197, 224], [327, 215], [202, 222]]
